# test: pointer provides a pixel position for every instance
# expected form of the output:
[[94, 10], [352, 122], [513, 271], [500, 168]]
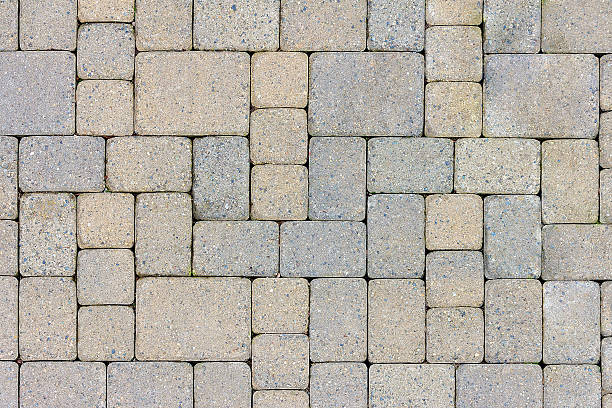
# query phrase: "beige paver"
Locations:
[[280, 305], [8, 177], [280, 399], [572, 385], [105, 220], [9, 25], [224, 384], [453, 221], [454, 12], [106, 333], [48, 25], [9, 248], [455, 278], [8, 319], [280, 361], [396, 25], [106, 11], [453, 109], [163, 24], [105, 51], [606, 308], [338, 385], [279, 192], [279, 79], [605, 196], [606, 365], [605, 140], [512, 26], [105, 276], [278, 136], [9, 383], [105, 108], [455, 335], [453, 53], [605, 81]]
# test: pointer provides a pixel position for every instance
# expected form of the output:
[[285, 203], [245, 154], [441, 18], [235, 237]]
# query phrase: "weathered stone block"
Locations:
[[105, 220], [279, 192], [453, 221], [338, 385], [453, 53], [106, 51], [106, 333], [278, 136], [222, 385], [396, 25]]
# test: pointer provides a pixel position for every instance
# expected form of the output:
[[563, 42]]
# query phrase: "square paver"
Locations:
[[105, 108], [455, 335], [396, 25], [278, 136], [605, 140], [572, 385], [106, 11], [280, 399], [222, 385], [338, 385], [9, 383], [453, 53], [455, 278], [8, 177], [279, 192], [453, 109], [106, 333], [605, 81], [280, 305], [374, 94], [9, 255], [605, 196], [168, 329], [106, 51], [105, 220], [606, 310], [453, 221], [105, 276], [454, 12], [9, 25], [8, 318], [163, 24], [396, 321], [512, 26], [280, 361], [48, 25]]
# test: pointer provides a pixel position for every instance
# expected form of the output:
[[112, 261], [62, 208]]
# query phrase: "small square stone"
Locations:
[[323, 26], [512, 26], [105, 277], [106, 51], [9, 256], [9, 384], [8, 319], [606, 365], [572, 386], [105, 220], [222, 385], [47, 231], [163, 24], [337, 178], [106, 333], [279, 79], [279, 136], [338, 319], [605, 196], [280, 305], [280, 399], [453, 221], [106, 11], [513, 321], [163, 234], [605, 80], [455, 278], [571, 322], [9, 25], [396, 236], [221, 178], [322, 249], [338, 385], [453, 53], [280, 361], [8, 177], [396, 321], [605, 140], [279, 192], [105, 108], [396, 25], [47, 319], [606, 310], [453, 109], [454, 12], [455, 335], [48, 25]]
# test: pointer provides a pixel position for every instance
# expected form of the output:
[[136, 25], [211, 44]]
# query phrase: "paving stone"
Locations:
[[163, 234], [338, 319], [192, 93], [62, 384], [606, 365], [396, 321], [453, 221], [280, 305], [410, 165], [106, 333], [221, 178], [50, 76], [235, 248], [606, 401], [322, 249], [278, 136], [280, 361], [571, 322], [61, 163], [337, 178], [512, 236], [605, 140], [8, 319], [572, 386], [8, 177], [512, 26], [323, 26], [454, 12], [105, 108], [222, 385], [455, 335], [517, 86], [105, 276], [374, 94], [280, 399], [605, 80], [106, 11], [455, 278], [155, 384], [579, 252], [143, 164], [9, 257], [48, 25], [453, 53], [499, 386], [168, 329], [513, 321], [606, 309], [9, 384], [396, 236], [565, 22], [105, 220], [106, 51], [279, 192], [570, 181], [605, 196], [396, 25], [338, 385], [453, 109], [47, 319], [9, 25], [163, 24], [412, 385], [47, 231]]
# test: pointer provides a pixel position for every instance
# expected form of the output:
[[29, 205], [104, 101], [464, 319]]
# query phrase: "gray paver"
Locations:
[[396, 321], [280, 305], [605, 81], [455, 335], [280, 361], [455, 278], [337, 178], [106, 333], [105, 108], [8, 318], [454, 12], [606, 309], [517, 86], [396, 25], [8, 177], [48, 25], [453, 109], [605, 196], [386, 94], [606, 365], [222, 385], [106, 11], [605, 140], [163, 24], [453, 221], [9, 256], [572, 386], [279, 192], [322, 249], [512, 26], [606, 401], [279, 79], [9, 384], [338, 385], [453, 53], [278, 136], [105, 220], [9, 24], [105, 276], [106, 51], [280, 399]]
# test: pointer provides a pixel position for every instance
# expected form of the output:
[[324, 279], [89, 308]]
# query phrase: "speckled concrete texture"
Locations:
[[512, 26], [8, 177], [105, 51], [222, 384], [104, 108], [279, 79], [396, 25], [106, 333]]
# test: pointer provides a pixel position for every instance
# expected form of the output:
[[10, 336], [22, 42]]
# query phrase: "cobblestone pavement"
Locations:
[[306, 203]]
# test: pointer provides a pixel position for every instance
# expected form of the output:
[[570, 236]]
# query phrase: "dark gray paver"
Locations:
[[338, 385]]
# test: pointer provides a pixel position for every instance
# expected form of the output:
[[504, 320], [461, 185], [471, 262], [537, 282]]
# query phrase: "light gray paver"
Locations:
[[453, 53], [606, 365], [106, 11], [280, 399], [9, 384], [9, 24], [163, 24], [278, 136], [454, 12], [412, 385], [105, 108], [279, 79], [106, 51], [455, 335], [606, 309], [453, 221], [517, 86], [8, 319], [105, 220], [337, 178], [105, 276], [338, 385], [62, 384], [396, 25], [571, 322], [338, 319], [513, 321], [167, 328], [385, 88], [323, 249], [605, 81], [396, 321], [222, 385], [512, 26], [396, 236], [280, 361], [280, 305], [605, 140], [572, 386], [453, 109], [235, 248], [455, 278], [605, 196], [606, 401], [8, 177], [9, 255], [47, 232], [48, 25], [106, 333], [47, 319], [279, 192], [410, 165]]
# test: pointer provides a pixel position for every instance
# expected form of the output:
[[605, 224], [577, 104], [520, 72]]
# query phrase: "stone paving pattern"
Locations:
[[306, 203]]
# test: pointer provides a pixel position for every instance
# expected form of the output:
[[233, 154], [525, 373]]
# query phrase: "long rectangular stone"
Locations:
[[8, 177], [9, 25], [9, 384], [8, 318], [9, 241]]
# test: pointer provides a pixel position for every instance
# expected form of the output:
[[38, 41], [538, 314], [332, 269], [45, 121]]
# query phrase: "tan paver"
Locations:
[[453, 221], [453, 53], [163, 24], [605, 82], [48, 25], [105, 51], [8, 319], [8, 177], [512, 26], [105, 108], [280, 399], [606, 309], [9, 245], [9, 383], [605, 196], [106, 11], [455, 335], [279, 79], [396, 25], [279, 192], [454, 12], [455, 278], [106, 333], [222, 385], [9, 25], [105, 220], [606, 365], [572, 385], [105, 276], [278, 136], [605, 140], [338, 385], [453, 109], [280, 361], [280, 305]]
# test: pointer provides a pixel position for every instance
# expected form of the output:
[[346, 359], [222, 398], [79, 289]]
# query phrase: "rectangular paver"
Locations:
[[606, 309], [279, 79], [572, 385], [163, 24], [396, 25], [9, 252], [106, 333], [105, 220], [106, 11], [224, 384], [280, 305], [606, 365], [8, 177], [454, 12], [605, 82], [338, 385], [605, 140], [280, 361], [48, 25], [8, 319], [455, 278], [9, 25], [105, 276], [512, 26], [455, 335], [9, 384]]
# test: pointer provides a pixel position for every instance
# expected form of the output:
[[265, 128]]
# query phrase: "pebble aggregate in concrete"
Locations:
[[163, 24], [338, 385], [455, 278], [48, 25], [453, 109], [461, 61], [280, 305], [9, 383], [8, 177], [105, 51], [106, 333], [396, 25], [280, 361], [105, 108], [9, 257], [279, 192], [512, 26], [105, 276], [279, 79], [224, 384], [455, 335], [8, 318], [9, 25], [572, 385], [453, 221], [278, 136], [105, 220]]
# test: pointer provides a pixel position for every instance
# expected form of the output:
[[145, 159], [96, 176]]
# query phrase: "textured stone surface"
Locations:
[[453, 53], [280, 305], [455, 278], [279, 192], [9, 383], [605, 82], [455, 335], [48, 25], [453, 109], [572, 385], [105, 220], [280, 361], [606, 401], [605, 196], [106, 51], [9, 25], [105, 276], [163, 24], [606, 365], [605, 140], [278, 136], [222, 385], [106, 333], [606, 309], [105, 108], [280, 399], [453, 221], [106, 10], [338, 385], [9, 255], [8, 318], [279, 79], [8, 177], [454, 12], [512, 26], [396, 25]]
